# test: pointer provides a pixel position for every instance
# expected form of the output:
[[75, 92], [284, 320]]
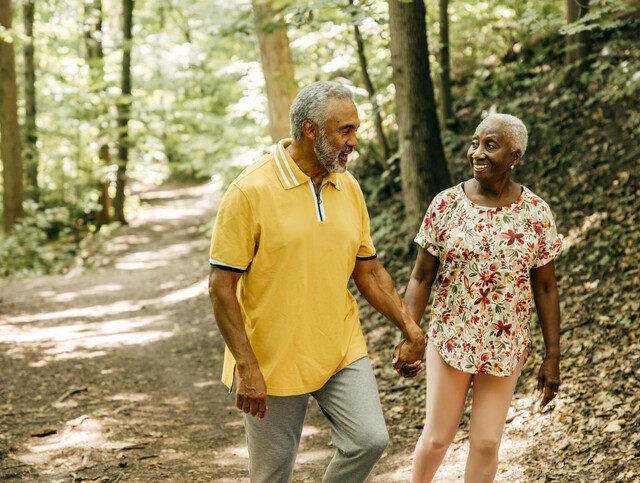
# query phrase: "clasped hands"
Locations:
[[408, 356]]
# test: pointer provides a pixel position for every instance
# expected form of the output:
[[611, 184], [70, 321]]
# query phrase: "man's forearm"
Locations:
[[378, 289], [226, 310]]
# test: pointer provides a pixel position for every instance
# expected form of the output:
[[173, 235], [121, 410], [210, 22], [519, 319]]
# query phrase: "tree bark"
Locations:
[[277, 66], [446, 108], [423, 166], [577, 46], [95, 59], [124, 112], [10, 145], [383, 145], [30, 128]]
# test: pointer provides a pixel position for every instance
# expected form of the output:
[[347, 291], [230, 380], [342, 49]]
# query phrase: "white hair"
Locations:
[[514, 129], [312, 104]]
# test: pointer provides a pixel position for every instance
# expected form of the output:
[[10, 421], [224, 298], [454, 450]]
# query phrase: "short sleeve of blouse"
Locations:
[[427, 236], [550, 244]]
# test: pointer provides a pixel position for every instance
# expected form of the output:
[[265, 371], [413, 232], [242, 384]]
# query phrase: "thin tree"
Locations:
[[30, 130], [383, 145], [95, 59], [10, 145], [124, 111], [277, 66], [576, 45], [446, 108], [423, 167]]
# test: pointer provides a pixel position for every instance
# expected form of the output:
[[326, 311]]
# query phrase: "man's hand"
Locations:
[[408, 357], [549, 379], [251, 396]]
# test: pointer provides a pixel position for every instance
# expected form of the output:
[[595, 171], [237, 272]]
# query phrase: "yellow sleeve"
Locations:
[[366, 250], [235, 233]]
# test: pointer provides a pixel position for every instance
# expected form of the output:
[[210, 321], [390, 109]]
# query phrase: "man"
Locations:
[[290, 231]]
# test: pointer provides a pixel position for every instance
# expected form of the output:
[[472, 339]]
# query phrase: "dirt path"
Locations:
[[111, 374]]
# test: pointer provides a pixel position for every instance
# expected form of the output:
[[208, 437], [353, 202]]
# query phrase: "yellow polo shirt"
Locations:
[[296, 250]]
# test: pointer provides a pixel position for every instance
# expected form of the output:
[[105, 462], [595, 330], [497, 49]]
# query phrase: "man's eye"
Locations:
[[474, 144]]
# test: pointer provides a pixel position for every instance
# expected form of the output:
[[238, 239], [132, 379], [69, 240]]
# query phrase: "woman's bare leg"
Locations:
[[491, 400], [446, 393]]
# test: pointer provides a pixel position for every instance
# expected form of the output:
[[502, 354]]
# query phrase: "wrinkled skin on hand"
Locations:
[[408, 357], [251, 395], [549, 379]]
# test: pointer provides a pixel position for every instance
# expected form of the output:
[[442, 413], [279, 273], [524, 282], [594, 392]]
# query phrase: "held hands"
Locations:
[[408, 357], [251, 396], [549, 379]]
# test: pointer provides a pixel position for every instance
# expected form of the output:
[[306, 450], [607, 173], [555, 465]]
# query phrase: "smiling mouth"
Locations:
[[344, 154], [480, 167]]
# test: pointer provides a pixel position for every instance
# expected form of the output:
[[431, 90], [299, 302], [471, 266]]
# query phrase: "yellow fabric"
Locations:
[[298, 253]]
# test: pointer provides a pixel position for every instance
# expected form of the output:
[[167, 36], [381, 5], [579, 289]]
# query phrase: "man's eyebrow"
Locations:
[[350, 126]]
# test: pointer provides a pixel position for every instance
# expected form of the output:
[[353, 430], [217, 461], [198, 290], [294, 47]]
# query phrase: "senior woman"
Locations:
[[489, 245]]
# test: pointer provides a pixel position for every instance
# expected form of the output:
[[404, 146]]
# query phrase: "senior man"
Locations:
[[290, 232]]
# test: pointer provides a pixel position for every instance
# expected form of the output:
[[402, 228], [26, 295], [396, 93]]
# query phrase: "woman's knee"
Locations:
[[431, 442], [487, 446]]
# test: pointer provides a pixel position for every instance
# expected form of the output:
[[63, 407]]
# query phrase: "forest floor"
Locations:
[[111, 373]]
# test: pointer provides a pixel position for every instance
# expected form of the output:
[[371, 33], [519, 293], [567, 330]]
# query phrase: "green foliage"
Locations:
[[31, 249], [198, 103]]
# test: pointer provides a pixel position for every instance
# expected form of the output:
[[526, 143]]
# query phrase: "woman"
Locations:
[[488, 243]]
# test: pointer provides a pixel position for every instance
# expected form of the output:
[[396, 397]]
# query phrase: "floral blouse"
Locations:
[[482, 295]]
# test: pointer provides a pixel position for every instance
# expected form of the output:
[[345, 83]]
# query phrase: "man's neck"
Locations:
[[307, 161]]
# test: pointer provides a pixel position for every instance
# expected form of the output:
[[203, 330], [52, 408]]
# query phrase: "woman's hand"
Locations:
[[549, 379]]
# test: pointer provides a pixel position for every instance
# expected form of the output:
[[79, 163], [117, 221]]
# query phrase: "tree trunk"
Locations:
[[577, 46], [446, 109], [277, 66], [10, 146], [95, 59], [383, 145], [124, 112], [30, 129], [423, 167]]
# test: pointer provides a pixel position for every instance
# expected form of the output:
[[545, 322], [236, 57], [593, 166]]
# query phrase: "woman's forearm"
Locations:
[[545, 294]]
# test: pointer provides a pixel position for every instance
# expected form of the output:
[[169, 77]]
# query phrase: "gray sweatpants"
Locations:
[[351, 403]]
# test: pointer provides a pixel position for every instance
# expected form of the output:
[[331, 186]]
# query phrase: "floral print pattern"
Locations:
[[482, 295]]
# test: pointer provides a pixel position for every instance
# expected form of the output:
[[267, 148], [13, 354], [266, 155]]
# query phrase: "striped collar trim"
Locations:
[[289, 174]]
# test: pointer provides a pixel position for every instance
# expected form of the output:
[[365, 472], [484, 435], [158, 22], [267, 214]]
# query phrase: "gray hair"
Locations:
[[514, 130], [312, 104]]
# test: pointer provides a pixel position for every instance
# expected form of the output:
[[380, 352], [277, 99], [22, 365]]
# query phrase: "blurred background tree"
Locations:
[[210, 83]]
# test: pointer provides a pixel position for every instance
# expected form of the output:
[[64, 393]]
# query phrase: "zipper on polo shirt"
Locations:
[[317, 197]]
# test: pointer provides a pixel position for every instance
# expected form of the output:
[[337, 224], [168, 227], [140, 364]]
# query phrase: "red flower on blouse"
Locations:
[[500, 327], [513, 237], [488, 278], [484, 298], [538, 227]]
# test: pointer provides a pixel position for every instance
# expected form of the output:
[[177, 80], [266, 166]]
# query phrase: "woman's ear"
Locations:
[[516, 157]]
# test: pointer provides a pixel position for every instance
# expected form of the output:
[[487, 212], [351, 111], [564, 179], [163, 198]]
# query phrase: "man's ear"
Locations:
[[309, 129]]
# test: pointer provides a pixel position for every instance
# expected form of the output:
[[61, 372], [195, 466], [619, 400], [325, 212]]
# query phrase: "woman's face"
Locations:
[[491, 154]]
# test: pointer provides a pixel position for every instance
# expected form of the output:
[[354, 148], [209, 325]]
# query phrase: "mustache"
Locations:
[[346, 150]]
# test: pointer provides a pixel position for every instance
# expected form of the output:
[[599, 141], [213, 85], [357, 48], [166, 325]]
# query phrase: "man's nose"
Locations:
[[352, 141]]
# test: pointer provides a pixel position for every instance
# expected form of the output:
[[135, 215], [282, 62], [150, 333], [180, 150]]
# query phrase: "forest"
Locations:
[[122, 122]]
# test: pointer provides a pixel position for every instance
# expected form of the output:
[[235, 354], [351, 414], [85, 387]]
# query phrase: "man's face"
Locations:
[[336, 141]]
